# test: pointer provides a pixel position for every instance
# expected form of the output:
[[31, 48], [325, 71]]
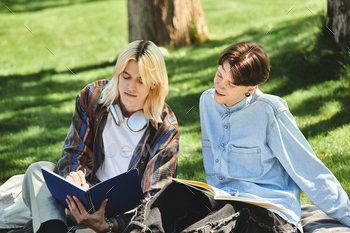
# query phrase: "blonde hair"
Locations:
[[152, 70]]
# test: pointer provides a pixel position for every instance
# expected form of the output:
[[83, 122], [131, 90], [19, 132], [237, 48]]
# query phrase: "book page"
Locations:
[[219, 194], [195, 183], [258, 202], [63, 179], [203, 187]]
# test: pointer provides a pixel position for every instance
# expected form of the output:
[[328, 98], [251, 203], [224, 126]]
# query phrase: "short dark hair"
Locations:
[[249, 63]]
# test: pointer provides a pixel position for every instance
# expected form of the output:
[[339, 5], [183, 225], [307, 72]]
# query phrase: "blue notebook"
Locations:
[[124, 192]]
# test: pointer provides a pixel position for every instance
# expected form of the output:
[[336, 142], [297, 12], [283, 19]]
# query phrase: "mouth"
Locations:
[[219, 94], [129, 95]]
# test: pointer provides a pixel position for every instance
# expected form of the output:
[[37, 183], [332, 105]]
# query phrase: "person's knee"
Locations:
[[33, 177], [35, 167], [34, 172]]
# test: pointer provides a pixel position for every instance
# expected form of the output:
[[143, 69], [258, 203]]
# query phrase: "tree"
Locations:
[[167, 22], [339, 14]]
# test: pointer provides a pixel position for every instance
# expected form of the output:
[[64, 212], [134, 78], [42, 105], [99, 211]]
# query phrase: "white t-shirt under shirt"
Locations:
[[119, 144]]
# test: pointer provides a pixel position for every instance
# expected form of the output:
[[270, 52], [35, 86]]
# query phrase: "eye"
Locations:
[[219, 74], [140, 81], [125, 76], [232, 84]]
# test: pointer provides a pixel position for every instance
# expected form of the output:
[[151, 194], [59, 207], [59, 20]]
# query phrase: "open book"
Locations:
[[123, 192], [219, 194]]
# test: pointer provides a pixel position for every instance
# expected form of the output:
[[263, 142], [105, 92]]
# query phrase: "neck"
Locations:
[[230, 105], [127, 112]]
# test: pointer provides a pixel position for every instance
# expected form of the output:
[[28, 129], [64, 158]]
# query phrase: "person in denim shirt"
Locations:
[[252, 147]]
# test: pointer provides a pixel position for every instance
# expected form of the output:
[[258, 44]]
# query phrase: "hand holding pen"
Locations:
[[78, 178]]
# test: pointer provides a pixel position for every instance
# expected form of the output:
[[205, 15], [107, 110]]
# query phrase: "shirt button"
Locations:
[[227, 110], [225, 126], [220, 177], [216, 160], [222, 144]]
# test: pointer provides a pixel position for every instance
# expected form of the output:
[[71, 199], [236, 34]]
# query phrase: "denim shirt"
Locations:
[[255, 149]]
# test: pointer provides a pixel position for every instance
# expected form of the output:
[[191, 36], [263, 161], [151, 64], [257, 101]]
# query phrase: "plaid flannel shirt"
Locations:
[[155, 156]]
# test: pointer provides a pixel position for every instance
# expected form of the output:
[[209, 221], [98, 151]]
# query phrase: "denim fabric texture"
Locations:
[[178, 208], [255, 149]]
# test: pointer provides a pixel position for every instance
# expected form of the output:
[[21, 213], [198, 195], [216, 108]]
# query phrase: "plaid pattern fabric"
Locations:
[[155, 156]]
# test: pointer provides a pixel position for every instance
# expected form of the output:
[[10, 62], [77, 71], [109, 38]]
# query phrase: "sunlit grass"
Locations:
[[78, 35]]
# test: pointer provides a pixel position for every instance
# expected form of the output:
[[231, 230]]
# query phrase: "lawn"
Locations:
[[51, 49]]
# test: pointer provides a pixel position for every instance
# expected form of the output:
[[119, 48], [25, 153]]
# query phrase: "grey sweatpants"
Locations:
[[37, 196], [41, 204]]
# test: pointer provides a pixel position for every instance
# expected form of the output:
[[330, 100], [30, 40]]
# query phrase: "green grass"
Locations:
[[38, 90]]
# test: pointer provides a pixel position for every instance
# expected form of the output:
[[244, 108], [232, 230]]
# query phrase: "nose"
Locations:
[[218, 83], [132, 86]]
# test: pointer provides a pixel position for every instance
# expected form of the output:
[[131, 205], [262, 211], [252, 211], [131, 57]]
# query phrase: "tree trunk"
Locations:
[[167, 22], [339, 14]]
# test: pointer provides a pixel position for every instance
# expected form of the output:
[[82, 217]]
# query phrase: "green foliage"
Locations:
[[38, 88]]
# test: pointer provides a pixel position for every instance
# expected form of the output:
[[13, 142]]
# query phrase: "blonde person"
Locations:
[[251, 148], [97, 147]]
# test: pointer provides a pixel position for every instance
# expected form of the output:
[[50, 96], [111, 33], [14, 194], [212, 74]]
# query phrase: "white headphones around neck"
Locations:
[[136, 122]]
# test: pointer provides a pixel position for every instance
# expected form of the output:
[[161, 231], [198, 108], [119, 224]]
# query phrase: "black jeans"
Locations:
[[179, 208]]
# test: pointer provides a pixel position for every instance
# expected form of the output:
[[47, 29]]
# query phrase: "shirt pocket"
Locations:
[[208, 157], [244, 162]]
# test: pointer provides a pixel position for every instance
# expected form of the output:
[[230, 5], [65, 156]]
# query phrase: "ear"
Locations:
[[251, 89], [153, 86]]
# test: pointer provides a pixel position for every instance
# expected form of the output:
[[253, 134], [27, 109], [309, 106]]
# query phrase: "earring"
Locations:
[[247, 94]]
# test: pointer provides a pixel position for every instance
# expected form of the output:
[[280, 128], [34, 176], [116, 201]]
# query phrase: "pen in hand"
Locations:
[[89, 185]]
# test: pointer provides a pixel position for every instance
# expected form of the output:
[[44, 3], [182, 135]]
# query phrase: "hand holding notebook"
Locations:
[[123, 192]]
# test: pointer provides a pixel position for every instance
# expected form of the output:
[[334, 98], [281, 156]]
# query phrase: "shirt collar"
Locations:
[[154, 124], [244, 102]]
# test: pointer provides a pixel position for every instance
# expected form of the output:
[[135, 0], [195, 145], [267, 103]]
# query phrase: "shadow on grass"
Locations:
[[23, 91], [17, 6], [305, 63], [45, 117], [296, 65], [312, 64], [312, 105], [186, 108], [192, 168], [340, 166], [34, 116]]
